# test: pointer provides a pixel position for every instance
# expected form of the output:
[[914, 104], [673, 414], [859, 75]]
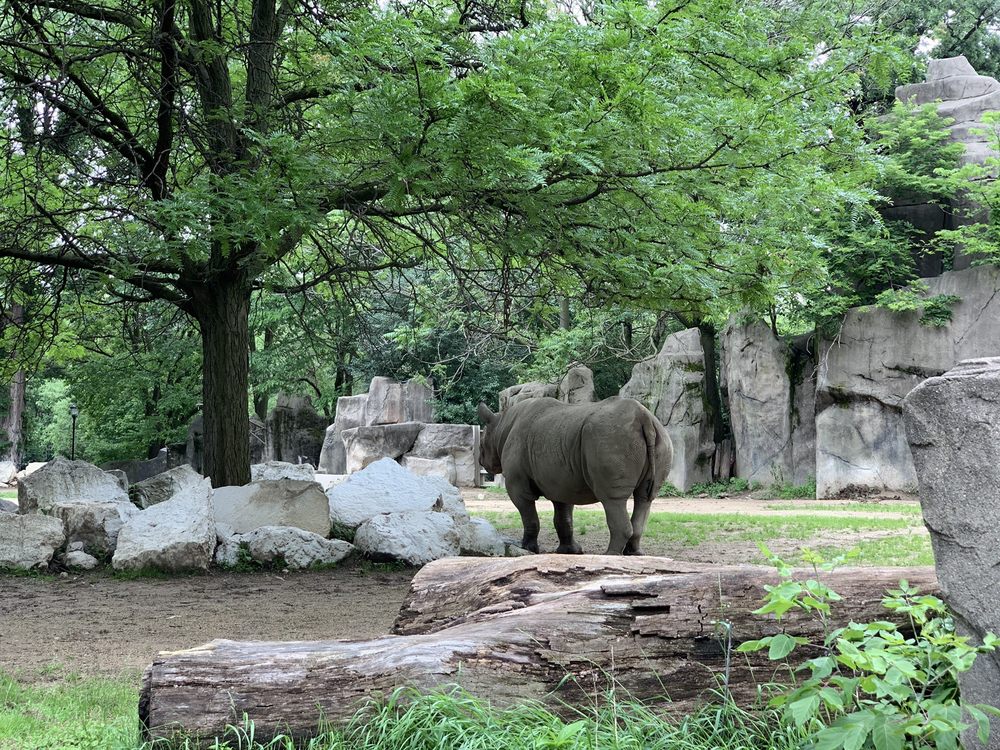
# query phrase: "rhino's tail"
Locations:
[[648, 478]]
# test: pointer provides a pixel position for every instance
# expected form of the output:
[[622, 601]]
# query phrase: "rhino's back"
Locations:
[[579, 453]]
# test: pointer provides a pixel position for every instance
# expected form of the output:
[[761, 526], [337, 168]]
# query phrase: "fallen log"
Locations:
[[559, 629]]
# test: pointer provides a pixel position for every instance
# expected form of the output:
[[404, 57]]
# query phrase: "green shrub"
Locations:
[[874, 685]]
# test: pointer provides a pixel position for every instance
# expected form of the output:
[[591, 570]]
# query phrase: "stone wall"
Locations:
[[770, 387], [672, 386], [877, 358]]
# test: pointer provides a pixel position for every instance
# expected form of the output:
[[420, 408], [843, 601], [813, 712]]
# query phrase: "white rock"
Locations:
[[79, 559], [512, 550], [173, 536], [451, 498], [62, 481], [381, 487], [478, 537], [96, 525], [227, 553], [8, 472], [282, 502], [414, 538], [7, 506], [274, 470], [164, 486], [326, 481], [297, 548], [29, 541]]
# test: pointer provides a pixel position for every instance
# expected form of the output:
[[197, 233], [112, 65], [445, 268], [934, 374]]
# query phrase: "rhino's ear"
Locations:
[[487, 416]]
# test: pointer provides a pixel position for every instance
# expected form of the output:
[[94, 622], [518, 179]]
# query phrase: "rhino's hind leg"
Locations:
[[524, 501], [640, 514], [616, 512], [563, 518]]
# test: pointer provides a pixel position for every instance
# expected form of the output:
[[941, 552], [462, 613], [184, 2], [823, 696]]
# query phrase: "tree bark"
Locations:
[[13, 421], [222, 309], [555, 628], [713, 392]]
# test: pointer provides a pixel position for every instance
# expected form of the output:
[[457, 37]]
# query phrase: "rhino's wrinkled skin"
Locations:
[[576, 454]]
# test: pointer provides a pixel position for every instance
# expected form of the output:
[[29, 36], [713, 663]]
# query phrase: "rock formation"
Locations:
[[953, 427], [672, 386], [771, 390]]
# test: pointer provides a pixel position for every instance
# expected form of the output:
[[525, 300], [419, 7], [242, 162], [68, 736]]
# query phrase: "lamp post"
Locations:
[[73, 413]]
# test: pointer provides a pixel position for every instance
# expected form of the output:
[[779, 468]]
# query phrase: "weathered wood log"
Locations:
[[554, 628]]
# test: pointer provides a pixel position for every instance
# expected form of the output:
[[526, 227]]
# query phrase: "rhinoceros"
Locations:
[[577, 454]]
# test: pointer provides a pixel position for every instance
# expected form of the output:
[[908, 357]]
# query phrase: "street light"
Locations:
[[73, 413]]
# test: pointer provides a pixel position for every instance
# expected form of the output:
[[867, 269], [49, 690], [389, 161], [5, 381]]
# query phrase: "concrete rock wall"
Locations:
[[672, 386], [771, 390]]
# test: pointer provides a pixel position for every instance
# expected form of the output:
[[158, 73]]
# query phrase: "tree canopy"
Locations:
[[291, 175]]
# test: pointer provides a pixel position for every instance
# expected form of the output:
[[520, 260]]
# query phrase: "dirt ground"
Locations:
[[95, 624]]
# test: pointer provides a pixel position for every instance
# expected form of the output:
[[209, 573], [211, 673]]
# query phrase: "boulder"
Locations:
[[120, 476], [8, 472], [273, 470], [79, 559], [771, 390], [522, 391], [382, 487], [173, 536], [29, 541], [365, 445], [413, 538], [431, 467], [672, 386], [455, 447], [295, 431], [62, 481], [164, 486], [451, 498], [30, 469], [577, 385], [878, 357], [350, 414], [391, 402], [281, 502], [953, 427], [7, 506], [292, 547], [258, 441], [95, 525], [478, 537]]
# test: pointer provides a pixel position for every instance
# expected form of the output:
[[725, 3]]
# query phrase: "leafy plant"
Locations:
[[874, 685]]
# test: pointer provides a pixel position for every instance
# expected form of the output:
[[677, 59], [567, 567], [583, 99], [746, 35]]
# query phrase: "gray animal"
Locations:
[[577, 454]]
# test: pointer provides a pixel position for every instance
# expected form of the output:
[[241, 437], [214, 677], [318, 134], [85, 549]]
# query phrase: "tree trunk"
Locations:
[[713, 393], [222, 308], [555, 628], [565, 317], [13, 421]]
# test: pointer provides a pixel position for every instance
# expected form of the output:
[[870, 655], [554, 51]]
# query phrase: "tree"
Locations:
[[185, 151]]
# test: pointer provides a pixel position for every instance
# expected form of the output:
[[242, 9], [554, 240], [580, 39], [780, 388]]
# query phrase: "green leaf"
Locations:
[[888, 735], [803, 709], [781, 646], [982, 721]]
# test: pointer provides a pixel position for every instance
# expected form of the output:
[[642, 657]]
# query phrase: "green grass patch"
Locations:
[[793, 491], [8, 494], [903, 550], [692, 529], [906, 509], [75, 714]]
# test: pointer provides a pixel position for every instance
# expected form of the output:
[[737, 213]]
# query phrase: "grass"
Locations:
[[737, 486], [665, 529], [907, 509], [101, 715], [692, 529], [74, 714], [8, 494]]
